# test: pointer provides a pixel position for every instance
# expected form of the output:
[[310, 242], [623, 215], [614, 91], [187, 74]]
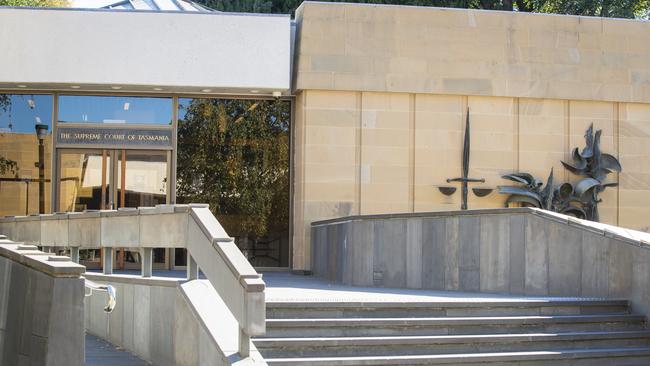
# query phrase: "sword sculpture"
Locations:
[[465, 180]]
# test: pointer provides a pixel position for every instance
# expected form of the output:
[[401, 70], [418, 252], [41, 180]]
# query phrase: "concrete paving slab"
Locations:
[[101, 353]]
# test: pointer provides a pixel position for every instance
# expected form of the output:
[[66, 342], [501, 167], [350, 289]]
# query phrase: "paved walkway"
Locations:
[[101, 353], [285, 287]]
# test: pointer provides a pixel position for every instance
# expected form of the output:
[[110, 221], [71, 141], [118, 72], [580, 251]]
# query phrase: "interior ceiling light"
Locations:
[[255, 91], [75, 86], [158, 89], [206, 90], [116, 87], [21, 86]]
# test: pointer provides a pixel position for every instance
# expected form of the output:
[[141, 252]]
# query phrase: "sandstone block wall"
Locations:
[[382, 93]]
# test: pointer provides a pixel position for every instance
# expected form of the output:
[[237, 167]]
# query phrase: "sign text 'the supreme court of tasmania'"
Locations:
[[114, 137]]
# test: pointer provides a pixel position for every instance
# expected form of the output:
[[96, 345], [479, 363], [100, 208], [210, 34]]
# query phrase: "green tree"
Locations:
[[36, 3], [234, 155], [602, 8]]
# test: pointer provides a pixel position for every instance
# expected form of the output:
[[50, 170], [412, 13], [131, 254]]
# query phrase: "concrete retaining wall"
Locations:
[[41, 309], [515, 251], [154, 319]]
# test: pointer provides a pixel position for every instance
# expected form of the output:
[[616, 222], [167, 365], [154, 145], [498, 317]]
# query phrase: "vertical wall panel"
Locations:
[[634, 138], [469, 253], [494, 250], [536, 261], [542, 142], [385, 153], [437, 150]]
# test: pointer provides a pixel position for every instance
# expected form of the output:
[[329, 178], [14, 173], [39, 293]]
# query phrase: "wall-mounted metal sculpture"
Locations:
[[580, 200], [534, 193], [594, 165], [465, 180]]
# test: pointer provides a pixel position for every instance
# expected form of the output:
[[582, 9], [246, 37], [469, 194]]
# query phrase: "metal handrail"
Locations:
[[110, 291]]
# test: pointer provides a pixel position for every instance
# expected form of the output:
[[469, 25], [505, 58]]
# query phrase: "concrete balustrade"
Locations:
[[515, 251], [41, 306], [166, 321], [165, 226]]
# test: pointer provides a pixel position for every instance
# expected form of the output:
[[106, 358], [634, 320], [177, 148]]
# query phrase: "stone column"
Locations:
[[107, 260], [192, 268], [74, 254], [244, 344], [147, 262]]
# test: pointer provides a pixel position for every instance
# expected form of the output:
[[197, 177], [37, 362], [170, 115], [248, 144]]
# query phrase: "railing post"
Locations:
[[74, 254], [147, 262], [244, 344], [192, 268], [107, 260]]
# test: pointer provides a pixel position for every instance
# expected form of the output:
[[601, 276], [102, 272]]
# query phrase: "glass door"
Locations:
[[141, 181], [94, 179]]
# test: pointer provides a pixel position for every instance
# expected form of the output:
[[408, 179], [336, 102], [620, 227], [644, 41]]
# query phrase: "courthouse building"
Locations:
[[277, 122]]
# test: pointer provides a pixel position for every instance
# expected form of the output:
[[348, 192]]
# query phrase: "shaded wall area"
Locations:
[[41, 308], [166, 321], [514, 251]]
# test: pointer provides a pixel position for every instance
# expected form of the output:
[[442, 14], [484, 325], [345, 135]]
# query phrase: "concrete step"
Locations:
[[332, 327], [467, 307], [422, 345], [575, 357]]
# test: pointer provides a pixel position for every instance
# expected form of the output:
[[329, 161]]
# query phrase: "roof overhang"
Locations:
[[127, 51]]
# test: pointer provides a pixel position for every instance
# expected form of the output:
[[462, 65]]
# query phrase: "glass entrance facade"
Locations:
[[111, 151], [234, 155]]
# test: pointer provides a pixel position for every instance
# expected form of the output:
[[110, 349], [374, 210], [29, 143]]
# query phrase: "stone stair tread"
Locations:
[[462, 302], [445, 339], [532, 319], [466, 358]]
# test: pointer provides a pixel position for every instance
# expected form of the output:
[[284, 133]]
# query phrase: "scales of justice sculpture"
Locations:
[[579, 199], [465, 180]]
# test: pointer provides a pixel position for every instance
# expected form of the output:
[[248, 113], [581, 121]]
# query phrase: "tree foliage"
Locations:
[[36, 3], [601, 8], [234, 155]]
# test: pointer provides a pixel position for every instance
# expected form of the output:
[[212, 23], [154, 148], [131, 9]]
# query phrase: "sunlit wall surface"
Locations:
[[19, 153], [234, 155]]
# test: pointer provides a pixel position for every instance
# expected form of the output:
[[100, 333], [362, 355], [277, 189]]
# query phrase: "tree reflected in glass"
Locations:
[[234, 155]]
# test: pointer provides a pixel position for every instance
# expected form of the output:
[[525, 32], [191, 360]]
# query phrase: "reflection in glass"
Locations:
[[234, 155], [20, 162], [145, 178], [84, 180], [114, 109]]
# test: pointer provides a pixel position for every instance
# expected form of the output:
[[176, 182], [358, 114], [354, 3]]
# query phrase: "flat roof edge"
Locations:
[[306, 3], [216, 12]]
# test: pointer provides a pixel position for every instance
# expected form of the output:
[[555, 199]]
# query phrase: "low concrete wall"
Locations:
[[41, 308], [515, 251], [154, 319]]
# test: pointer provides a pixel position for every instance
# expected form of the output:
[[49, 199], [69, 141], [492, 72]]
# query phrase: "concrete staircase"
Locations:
[[467, 332]]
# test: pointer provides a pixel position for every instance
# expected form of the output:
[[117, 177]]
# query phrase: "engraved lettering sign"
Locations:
[[114, 137]]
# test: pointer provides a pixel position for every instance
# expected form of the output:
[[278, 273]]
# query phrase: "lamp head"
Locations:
[[41, 130]]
